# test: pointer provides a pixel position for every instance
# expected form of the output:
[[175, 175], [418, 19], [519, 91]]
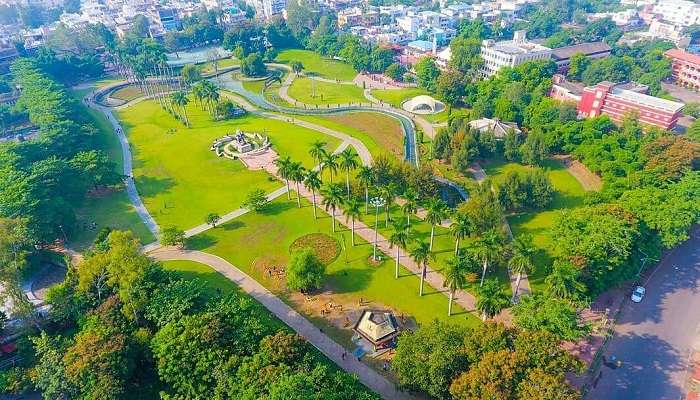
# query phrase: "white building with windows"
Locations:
[[679, 12], [511, 53]]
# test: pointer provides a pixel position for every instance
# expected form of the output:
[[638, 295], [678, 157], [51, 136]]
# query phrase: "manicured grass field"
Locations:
[[397, 96], [311, 91], [112, 209], [315, 64], [257, 240], [127, 93], [180, 180], [214, 281], [569, 194], [208, 67]]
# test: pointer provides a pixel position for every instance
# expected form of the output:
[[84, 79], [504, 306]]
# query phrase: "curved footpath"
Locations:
[[291, 317]]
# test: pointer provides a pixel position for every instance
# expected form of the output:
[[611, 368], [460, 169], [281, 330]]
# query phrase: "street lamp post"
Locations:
[[376, 202]]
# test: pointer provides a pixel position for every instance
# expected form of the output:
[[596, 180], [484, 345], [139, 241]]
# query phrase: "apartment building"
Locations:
[[510, 53], [679, 12], [685, 68]]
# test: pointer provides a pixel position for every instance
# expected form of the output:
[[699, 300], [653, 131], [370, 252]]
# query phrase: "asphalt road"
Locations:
[[655, 337]]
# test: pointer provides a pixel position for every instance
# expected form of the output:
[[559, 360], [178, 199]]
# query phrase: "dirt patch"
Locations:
[[588, 180], [323, 246], [272, 269]]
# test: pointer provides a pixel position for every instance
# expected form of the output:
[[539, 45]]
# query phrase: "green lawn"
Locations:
[[261, 239], [311, 91], [396, 97], [315, 64], [214, 281], [569, 194], [111, 209], [208, 67], [180, 180]]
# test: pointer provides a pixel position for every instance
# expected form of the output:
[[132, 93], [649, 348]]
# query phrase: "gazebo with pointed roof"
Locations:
[[499, 128], [377, 327]]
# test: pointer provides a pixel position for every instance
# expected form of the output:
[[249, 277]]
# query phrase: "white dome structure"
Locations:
[[423, 105]]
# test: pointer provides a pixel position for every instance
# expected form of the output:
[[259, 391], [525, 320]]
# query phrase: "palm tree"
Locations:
[[490, 299], [488, 248], [296, 174], [563, 281], [460, 228], [521, 259], [366, 177], [348, 161], [312, 181], [421, 254], [352, 212], [198, 92], [284, 170], [388, 193], [437, 212], [332, 198], [180, 99], [330, 163], [410, 205], [399, 237], [318, 151], [455, 278]]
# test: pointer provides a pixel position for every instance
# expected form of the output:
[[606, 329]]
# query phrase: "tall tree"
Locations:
[[421, 254], [366, 178], [332, 199], [348, 161], [490, 299], [399, 238], [455, 274], [312, 181], [284, 170], [460, 228], [410, 204], [488, 248], [353, 213], [436, 213], [521, 259]]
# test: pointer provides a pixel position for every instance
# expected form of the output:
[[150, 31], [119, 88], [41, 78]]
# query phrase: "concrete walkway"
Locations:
[[289, 316]]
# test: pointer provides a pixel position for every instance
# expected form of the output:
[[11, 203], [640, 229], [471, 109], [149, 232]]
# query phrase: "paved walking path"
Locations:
[[289, 316], [424, 124], [131, 190]]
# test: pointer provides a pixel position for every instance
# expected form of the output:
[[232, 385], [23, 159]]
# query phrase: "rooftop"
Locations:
[[376, 326], [646, 100], [586, 49], [683, 55]]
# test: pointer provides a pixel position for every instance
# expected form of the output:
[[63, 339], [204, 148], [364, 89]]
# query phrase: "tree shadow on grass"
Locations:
[[149, 186], [232, 225], [349, 280], [276, 208], [201, 241]]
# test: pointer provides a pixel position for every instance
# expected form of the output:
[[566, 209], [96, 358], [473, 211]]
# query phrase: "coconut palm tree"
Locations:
[[330, 163], [312, 181], [399, 237], [284, 170], [410, 204], [436, 213], [490, 299], [460, 228], [296, 174], [521, 259], [388, 193], [347, 161], [352, 212], [421, 254], [366, 178], [563, 281], [318, 151], [455, 274], [180, 99], [488, 248], [332, 199]]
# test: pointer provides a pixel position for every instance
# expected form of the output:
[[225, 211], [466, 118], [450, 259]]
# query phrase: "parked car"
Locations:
[[638, 294]]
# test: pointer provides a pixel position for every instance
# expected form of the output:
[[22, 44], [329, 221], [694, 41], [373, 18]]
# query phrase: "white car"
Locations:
[[638, 294]]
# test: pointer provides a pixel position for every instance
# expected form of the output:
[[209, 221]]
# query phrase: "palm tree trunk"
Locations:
[[366, 199], [517, 286], [483, 316], [298, 196], [333, 217], [347, 181], [313, 196], [408, 219], [289, 196], [457, 247], [398, 256], [483, 272], [386, 219], [449, 305], [422, 280], [352, 234], [432, 236], [184, 112]]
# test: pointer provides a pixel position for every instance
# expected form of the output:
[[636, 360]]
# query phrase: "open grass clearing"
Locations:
[[396, 97], [258, 244], [382, 129], [181, 181], [315, 64], [320, 93], [211, 67], [569, 194]]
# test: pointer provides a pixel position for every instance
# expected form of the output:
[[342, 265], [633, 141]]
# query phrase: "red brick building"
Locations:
[[615, 101], [685, 68]]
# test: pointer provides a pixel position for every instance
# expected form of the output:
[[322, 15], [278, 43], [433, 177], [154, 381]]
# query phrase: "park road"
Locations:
[[654, 338]]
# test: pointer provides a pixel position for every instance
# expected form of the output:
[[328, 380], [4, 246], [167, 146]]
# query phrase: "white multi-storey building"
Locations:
[[680, 12], [511, 53]]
